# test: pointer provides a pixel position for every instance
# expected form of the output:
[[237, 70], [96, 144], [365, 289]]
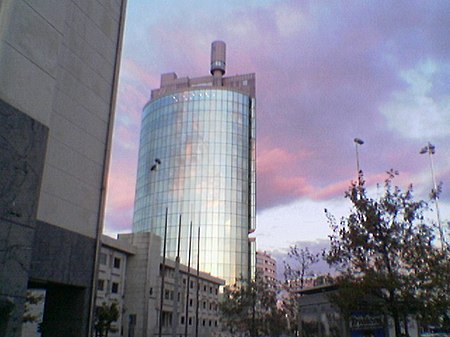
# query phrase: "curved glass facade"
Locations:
[[204, 140]]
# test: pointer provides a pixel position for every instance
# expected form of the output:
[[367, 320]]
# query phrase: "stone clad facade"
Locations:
[[58, 73]]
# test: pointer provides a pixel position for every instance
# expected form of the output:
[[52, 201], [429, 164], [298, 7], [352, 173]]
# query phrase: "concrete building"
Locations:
[[58, 73], [130, 274], [112, 268], [266, 266], [197, 159]]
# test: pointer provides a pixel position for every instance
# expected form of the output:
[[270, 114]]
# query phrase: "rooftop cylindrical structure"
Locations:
[[218, 58]]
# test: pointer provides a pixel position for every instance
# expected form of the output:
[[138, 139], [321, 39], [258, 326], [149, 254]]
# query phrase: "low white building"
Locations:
[[112, 268], [130, 274], [266, 266]]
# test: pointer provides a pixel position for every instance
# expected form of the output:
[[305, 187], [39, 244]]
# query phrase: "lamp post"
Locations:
[[431, 150], [160, 319], [153, 169], [163, 274], [358, 142]]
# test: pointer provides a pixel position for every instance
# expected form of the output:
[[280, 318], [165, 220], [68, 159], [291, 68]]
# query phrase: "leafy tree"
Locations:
[[295, 272], [249, 307], [31, 300], [436, 293], [386, 256], [105, 315]]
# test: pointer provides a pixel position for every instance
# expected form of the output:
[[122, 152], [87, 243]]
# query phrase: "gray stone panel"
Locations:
[[23, 144], [63, 262], [61, 256], [22, 152]]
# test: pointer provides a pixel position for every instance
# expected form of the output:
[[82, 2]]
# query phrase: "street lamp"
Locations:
[[358, 142], [153, 170], [431, 150], [155, 165]]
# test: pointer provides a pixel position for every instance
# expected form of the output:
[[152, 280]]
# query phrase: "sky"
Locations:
[[326, 72]]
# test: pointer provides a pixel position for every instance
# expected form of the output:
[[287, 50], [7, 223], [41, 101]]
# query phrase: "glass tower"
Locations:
[[197, 164]]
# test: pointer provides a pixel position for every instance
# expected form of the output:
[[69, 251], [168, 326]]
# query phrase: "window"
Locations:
[[115, 288], [101, 285], [103, 258], [117, 263], [182, 320], [191, 302], [190, 320], [204, 322], [210, 290], [168, 295], [167, 318]]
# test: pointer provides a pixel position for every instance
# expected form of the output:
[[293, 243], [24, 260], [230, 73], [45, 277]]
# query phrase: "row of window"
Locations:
[[215, 95], [205, 287], [167, 320], [113, 287], [169, 295], [171, 123], [169, 272], [114, 262]]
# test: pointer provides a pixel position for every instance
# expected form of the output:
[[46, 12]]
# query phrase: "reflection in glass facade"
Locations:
[[204, 138]]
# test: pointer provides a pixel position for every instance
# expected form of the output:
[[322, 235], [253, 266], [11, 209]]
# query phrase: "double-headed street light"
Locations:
[[155, 165], [431, 150], [153, 169]]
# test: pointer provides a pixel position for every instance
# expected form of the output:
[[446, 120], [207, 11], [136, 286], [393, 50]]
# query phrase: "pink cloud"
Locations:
[[136, 73], [320, 82], [120, 195], [272, 159]]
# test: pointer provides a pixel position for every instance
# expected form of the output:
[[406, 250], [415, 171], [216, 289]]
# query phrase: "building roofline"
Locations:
[[120, 245], [203, 275], [318, 289]]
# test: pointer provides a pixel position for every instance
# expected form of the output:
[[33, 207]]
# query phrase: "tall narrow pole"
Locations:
[[163, 274], [186, 310], [431, 150], [154, 168], [198, 283], [358, 142], [177, 283]]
